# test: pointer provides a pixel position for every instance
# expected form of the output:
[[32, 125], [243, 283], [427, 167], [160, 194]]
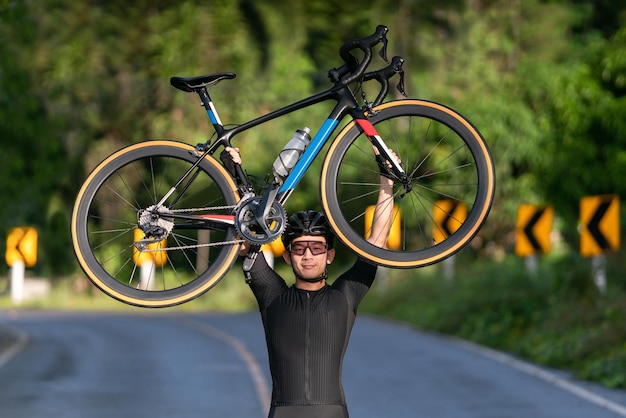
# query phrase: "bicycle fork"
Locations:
[[396, 167]]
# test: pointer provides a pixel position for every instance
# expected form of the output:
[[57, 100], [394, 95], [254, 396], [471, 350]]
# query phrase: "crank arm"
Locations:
[[263, 210]]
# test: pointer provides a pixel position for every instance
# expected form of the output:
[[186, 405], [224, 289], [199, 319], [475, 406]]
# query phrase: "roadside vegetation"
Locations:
[[556, 316]]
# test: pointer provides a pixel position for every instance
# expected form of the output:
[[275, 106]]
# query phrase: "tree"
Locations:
[[588, 112], [79, 80], [32, 162]]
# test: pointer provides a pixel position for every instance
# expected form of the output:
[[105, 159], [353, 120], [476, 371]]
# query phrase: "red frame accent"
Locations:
[[367, 127], [218, 217]]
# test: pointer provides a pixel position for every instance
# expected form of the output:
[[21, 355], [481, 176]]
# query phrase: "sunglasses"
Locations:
[[299, 248]]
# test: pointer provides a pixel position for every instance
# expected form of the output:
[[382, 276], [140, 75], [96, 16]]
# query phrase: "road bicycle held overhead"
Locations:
[[159, 223]]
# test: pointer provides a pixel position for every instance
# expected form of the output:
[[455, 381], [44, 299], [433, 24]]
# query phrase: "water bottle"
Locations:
[[292, 152]]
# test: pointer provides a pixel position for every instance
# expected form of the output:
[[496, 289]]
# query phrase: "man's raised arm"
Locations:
[[383, 213]]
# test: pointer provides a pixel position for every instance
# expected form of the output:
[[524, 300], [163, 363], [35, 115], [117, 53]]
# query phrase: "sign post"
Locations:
[[149, 260], [272, 250], [17, 282]]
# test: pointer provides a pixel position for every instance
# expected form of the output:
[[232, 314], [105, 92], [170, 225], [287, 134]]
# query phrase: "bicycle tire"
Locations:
[[448, 161], [106, 215]]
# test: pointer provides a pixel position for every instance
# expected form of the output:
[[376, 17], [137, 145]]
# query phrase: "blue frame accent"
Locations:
[[345, 105], [211, 116], [303, 164]]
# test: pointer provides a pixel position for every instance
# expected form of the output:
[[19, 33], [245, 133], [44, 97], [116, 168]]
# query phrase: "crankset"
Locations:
[[260, 231]]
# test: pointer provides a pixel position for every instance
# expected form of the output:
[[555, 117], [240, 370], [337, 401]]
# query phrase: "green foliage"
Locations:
[[555, 317], [497, 63], [32, 158], [544, 82]]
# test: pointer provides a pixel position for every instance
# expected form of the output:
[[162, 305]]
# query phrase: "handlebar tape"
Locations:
[[352, 67]]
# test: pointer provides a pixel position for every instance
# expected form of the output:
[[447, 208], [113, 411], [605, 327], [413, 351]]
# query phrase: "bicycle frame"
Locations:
[[346, 104]]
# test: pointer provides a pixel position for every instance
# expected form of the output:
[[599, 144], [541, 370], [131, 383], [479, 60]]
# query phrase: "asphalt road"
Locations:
[[178, 365]]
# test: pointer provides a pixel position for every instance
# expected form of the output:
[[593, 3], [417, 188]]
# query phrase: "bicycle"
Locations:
[[188, 211]]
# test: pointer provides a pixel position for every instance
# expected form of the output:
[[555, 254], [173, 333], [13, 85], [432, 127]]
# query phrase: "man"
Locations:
[[308, 325]]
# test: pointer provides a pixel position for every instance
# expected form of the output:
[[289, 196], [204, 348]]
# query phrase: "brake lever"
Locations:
[[400, 85], [399, 62], [383, 50]]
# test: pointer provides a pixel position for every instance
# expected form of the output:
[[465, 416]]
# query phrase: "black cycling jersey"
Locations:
[[307, 334]]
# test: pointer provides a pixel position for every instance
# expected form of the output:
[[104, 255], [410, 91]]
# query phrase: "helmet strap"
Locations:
[[324, 276]]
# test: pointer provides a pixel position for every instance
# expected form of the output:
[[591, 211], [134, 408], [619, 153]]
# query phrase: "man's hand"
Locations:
[[385, 166], [231, 157], [383, 214], [245, 249], [234, 154]]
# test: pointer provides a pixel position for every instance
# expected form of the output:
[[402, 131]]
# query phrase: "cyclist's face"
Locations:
[[306, 265]]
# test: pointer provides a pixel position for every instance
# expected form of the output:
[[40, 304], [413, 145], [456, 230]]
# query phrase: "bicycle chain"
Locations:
[[202, 209], [189, 247]]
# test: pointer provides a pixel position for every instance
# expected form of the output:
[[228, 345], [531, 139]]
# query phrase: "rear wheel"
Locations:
[[147, 252], [452, 183]]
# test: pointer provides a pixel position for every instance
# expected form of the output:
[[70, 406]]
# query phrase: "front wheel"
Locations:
[[151, 230], [451, 188]]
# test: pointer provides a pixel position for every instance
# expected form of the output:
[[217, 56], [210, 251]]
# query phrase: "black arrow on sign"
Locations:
[[528, 229], [449, 216], [594, 226]]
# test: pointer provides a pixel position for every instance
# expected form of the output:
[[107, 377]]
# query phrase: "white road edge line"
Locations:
[[545, 376], [255, 370], [15, 348]]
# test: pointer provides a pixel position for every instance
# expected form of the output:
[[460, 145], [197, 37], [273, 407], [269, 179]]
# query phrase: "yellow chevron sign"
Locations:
[[599, 219], [533, 228], [22, 246], [448, 215]]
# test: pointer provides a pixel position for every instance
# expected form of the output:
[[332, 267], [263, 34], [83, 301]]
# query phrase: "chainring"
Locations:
[[265, 232]]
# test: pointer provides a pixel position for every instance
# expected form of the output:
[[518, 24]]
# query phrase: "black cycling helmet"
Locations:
[[308, 222]]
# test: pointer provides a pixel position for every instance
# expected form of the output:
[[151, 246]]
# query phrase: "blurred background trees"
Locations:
[[544, 81]]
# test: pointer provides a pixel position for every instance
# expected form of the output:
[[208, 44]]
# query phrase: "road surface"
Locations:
[[158, 364]]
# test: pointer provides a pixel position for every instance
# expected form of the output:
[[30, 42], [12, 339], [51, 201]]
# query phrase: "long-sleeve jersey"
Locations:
[[307, 332]]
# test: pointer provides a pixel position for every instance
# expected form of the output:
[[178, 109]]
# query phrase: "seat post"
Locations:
[[210, 109]]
